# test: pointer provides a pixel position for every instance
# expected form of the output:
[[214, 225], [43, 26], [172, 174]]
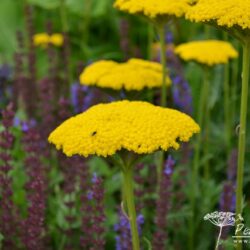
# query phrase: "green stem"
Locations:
[[130, 203], [207, 137], [86, 26], [200, 119], [161, 32], [242, 134], [64, 20], [227, 109], [235, 73], [196, 163], [150, 40], [160, 162], [207, 116]]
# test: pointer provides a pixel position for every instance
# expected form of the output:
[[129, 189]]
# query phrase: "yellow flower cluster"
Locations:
[[224, 12], [210, 52], [44, 39], [135, 74], [153, 8], [135, 126]]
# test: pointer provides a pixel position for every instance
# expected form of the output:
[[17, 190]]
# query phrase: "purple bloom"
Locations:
[[182, 94], [228, 198], [33, 226], [93, 217], [232, 165], [227, 201], [181, 91], [169, 37], [122, 228], [7, 210], [163, 206], [94, 178], [24, 125], [81, 97], [5, 72], [90, 195], [169, 164], [47, 108]]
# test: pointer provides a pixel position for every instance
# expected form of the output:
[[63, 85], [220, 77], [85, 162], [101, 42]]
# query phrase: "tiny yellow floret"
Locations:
[[134, 74], [228, 13], [208, 52], [135, 126]]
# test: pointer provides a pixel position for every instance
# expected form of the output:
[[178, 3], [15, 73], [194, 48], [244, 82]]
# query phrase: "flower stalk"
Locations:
[[197, 151], [227, 108], [242, 134], [200, 121], [161, 32], [130, 203]]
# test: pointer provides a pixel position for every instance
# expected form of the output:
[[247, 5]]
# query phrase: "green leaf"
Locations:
[[11, 20], [46, 4]]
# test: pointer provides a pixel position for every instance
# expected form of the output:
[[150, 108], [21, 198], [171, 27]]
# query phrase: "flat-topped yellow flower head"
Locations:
[[44, 39], [135, 74], [135, 126], [153, 9], [41, 39], [56, 39], [228, 13], [209, 52]]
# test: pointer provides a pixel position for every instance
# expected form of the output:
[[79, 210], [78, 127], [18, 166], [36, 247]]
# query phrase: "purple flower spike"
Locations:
[[94, 217], [163, 206], [228, 199], [169, 165], [33, 226], [81, 97], [90, 195], [123, 239], [94, 178], [5, 72], [7, 209]]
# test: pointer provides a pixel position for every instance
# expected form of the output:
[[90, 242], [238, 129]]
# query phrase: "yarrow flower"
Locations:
[[208, 52], [135, 126], [44, 39], [228, 13], [153, 9], [109, 74]]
